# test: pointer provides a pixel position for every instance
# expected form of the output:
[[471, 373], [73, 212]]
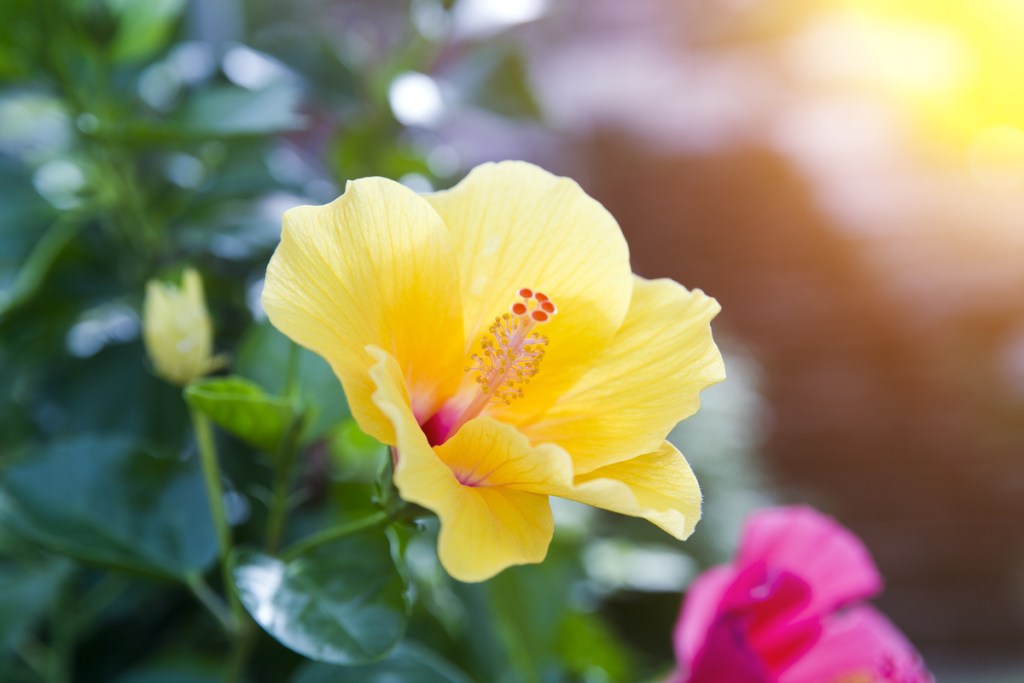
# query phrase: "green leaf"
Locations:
[[102, 499], [496, 80], [355, 455], [341, 603], [25, 593], [512, 621], [178, 671], [526, 609], [262, 356], [590, 650], [23, 212], [144, 26], [37, 267], [408, 662], [233, 111], [244, 409]]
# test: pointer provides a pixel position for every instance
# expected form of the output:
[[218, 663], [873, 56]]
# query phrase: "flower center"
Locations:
[[510, 352], [510, 355]]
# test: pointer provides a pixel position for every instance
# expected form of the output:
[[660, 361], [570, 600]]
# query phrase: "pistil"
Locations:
[[510, 355]]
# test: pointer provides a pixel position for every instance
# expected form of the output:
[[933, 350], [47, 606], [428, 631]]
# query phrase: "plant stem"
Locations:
[[335, 533], [291, 384], [240, 651], [215, 494], [278, 512], [210, 600], [62, 640], [35, 655], [285, 459], [98, 598], [282, 481]]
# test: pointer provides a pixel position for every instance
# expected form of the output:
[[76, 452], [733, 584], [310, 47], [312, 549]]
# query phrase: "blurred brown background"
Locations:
[[847, 178]]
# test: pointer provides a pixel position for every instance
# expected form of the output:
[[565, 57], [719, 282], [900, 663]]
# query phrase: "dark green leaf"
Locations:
[[103, 500], [28, 247], [229, 110], [36, 267], [142, 404], [512, 622], [527, 611], [408, 663], [355, 455], [497, 80], [144, 26], [590, 650], [23, 212], [263, 357], [342, 603], [174, 672], [242, 408], [25, 594]]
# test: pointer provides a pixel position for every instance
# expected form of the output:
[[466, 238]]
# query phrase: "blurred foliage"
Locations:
[[138, 137]]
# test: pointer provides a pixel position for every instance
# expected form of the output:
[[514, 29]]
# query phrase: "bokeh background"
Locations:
[[845, 176]]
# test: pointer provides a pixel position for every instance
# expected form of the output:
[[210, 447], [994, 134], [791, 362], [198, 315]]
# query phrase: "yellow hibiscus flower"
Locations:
[[495, 335]]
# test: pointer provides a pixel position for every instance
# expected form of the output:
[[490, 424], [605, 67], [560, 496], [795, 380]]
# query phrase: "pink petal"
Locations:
[[727, 658], [773, 625], [814, 547], [769, 604], [759, 606], [701, 608], [859, 641]]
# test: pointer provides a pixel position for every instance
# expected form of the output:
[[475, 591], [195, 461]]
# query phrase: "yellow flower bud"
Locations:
[[177, 329]]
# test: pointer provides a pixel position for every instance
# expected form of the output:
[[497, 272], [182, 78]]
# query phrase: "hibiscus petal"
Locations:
[[419, 475], [515, 225], [702, 606], [859, 645], [815, 547], [658, 486], [647, 380], [492, 521], [726, 657], [374, 267], [488, 453], [772, 610], [486, 530]]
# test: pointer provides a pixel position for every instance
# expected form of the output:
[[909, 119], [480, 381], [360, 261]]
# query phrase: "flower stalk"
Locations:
[[335, 533], [210, 600], [285, 460], [215, 494]]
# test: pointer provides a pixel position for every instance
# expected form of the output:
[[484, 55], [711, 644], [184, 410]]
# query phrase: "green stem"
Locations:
[[240, 651], [335, 533], [285, 459], [291, 385], [282, 481], [278, 513], [62, 640], [215, 494], [35, 655], [97, 599], [210, 600]]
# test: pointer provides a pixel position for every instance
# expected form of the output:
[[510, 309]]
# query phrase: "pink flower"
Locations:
[[787, 611]]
